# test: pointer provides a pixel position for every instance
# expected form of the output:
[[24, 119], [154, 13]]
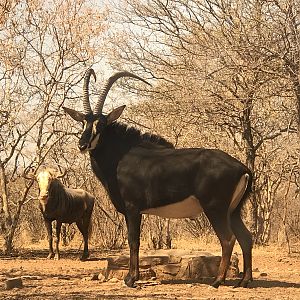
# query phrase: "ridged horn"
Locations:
[[108, 85], [29, 173], [59, 173], [86, 101]]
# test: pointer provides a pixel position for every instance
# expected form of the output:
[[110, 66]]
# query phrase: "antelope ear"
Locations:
[[115, 114], [76, 115]]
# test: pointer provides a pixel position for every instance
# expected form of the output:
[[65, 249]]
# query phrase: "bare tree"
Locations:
[[45, 48], [216, 60]]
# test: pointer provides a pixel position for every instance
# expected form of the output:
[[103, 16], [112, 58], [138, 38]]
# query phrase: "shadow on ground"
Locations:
[[257, 283], [28, 254]]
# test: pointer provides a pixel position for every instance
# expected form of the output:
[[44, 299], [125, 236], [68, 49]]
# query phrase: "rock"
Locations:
[[101, 278], [198, 267], [147, 274], [150, 261], [169, 265], [174, 259], [120, 261], [171, 269], [114, 280], [117, 273], [13, 283]]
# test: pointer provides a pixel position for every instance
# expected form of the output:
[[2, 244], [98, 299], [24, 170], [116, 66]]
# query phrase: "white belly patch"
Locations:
[[187, 208], [191, 208]]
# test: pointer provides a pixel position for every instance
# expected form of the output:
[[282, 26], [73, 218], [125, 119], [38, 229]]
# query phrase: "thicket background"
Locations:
[[224, 74]]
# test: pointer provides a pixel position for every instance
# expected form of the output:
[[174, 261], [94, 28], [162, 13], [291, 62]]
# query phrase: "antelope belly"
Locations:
[[187, 208]]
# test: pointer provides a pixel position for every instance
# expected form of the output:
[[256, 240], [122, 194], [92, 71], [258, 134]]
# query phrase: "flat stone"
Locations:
[[147, 274], [169, 265], [150, 261], [171, 269], [174, 259], [120, 261], [199, 267], [117, 273]]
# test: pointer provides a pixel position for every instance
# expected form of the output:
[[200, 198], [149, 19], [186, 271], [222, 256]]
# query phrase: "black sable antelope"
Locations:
[[64, 205], [143, 173]]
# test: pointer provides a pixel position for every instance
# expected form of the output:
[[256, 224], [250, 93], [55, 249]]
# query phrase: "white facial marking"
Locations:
[[95, 126], [43, 179], [94, 142], [94, 137], [84, 124]]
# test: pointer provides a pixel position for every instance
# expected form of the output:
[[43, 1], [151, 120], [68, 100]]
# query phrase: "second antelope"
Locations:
[[64, 205], [144, 174]]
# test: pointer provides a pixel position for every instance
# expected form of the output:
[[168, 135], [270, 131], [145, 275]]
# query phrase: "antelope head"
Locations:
[[44, 179], [95, 122]]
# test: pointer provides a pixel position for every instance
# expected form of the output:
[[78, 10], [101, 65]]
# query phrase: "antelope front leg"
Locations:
[[133, 226], [48, 225]]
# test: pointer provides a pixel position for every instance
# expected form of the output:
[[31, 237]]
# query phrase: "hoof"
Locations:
[[50, 255], [243, 283], [84, 257], [129, 281], [216, 283], [56, 257]]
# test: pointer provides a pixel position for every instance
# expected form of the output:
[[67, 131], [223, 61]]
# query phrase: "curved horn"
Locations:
[[86, 101], [29, 173], [59, 173], [108, 85]]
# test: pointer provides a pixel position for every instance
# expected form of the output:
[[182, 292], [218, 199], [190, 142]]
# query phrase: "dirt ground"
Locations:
[[276, 276]]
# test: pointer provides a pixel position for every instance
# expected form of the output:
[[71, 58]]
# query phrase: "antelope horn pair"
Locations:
[[99, 105], [30, 172]]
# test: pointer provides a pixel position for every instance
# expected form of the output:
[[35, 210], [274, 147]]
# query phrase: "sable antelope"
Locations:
[[144, 174], [64, 205]]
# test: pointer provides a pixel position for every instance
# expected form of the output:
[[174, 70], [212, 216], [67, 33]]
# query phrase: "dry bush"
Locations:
[[199, 227], [157, 232], [109, 228]]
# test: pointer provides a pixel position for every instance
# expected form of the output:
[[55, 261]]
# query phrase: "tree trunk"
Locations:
[[7, 220], [9, 224], [296, 85], [251, 206]]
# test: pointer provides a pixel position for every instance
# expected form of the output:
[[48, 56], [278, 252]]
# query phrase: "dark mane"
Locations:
[[57, 187], [135, 137]]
